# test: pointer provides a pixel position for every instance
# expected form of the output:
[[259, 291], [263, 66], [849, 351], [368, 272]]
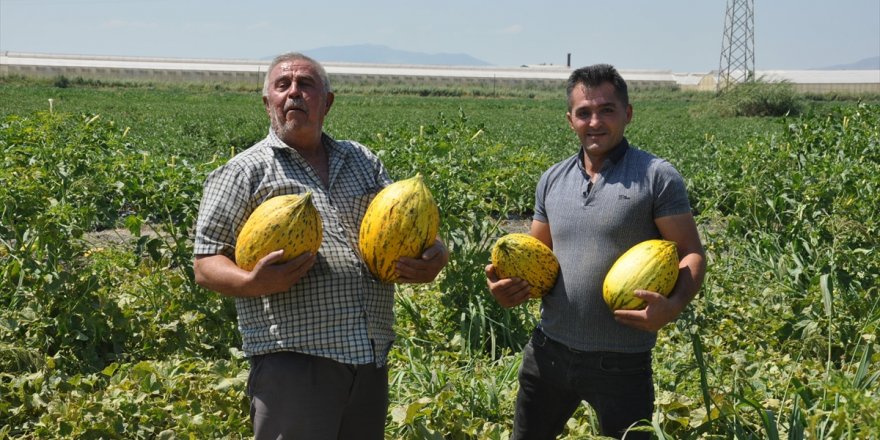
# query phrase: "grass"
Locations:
[[117, 341]]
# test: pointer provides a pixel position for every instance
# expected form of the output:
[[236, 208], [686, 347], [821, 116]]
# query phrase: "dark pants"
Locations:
[[297, 396], [554, 379]]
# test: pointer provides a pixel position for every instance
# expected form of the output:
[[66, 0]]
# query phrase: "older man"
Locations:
[[317, 328]]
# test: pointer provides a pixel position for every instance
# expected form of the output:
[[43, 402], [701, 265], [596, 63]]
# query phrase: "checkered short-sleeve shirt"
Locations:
[[338, 310]]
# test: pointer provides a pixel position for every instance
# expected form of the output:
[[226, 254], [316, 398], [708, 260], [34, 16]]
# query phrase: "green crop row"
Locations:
[[104, 334]]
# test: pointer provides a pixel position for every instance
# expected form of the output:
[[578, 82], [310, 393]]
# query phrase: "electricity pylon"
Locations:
[[737, 62]]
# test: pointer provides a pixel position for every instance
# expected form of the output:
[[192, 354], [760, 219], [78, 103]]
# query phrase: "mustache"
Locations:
[[295, 104]]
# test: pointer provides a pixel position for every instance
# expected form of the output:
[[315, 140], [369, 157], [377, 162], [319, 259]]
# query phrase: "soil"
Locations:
[[117, 237], [516, 225]]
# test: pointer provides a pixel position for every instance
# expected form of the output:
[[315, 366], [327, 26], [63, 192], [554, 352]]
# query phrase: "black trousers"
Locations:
[[554, 379], [298, 396]]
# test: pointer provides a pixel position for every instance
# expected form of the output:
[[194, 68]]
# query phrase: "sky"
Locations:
[[676, 35]]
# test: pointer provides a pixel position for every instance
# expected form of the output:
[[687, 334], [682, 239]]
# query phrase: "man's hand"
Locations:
[[424, 269], [220, 274], [508, 292], [658, 312], [269, 277]]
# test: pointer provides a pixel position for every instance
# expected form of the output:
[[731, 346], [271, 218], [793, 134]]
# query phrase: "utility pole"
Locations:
[[737, 63]]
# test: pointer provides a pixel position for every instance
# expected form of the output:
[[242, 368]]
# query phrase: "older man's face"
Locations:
[[297, 102]]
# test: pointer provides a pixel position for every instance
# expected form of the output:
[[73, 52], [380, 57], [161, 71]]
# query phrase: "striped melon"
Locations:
[[650, 265], [526, 257], [288, 222], [401, 221]]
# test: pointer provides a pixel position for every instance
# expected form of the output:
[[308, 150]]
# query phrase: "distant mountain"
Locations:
[[376, 54], [872, 63]]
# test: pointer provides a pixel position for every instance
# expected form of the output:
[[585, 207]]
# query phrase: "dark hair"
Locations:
[[596, 75]]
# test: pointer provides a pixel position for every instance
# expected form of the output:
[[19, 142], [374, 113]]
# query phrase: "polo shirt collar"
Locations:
[[614, 157]]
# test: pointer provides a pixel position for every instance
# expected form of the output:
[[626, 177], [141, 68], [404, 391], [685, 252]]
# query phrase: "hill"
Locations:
[[377, 54], [872, 63]]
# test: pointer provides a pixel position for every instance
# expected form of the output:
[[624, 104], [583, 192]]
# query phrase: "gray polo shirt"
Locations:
[[592, 225]]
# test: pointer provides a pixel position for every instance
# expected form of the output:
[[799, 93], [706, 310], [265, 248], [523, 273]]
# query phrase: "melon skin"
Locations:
[[526, 257], [651, 265], [290, 222], [401, 221]]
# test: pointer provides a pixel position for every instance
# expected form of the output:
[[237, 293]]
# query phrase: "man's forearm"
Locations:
[[220, 274]]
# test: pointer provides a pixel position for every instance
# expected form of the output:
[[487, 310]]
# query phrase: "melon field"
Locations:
[[105, 335]]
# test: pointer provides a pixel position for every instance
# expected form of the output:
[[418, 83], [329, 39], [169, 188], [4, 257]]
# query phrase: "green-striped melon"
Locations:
[[288, 222], [401, 221], [523, 256], [650, 265]]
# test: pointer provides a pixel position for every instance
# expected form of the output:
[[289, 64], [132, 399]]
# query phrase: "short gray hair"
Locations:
[[294, 56]]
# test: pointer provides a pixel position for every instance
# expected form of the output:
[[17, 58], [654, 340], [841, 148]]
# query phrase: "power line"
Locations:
[[737, 63]]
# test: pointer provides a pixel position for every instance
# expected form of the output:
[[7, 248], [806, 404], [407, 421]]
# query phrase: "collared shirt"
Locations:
[[591, 225], [338, 310]]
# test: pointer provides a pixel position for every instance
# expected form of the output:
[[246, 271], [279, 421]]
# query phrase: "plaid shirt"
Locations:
[[338, 310]]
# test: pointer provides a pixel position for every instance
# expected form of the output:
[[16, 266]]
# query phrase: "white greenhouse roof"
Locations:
[[536, 72], [821, 76]]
